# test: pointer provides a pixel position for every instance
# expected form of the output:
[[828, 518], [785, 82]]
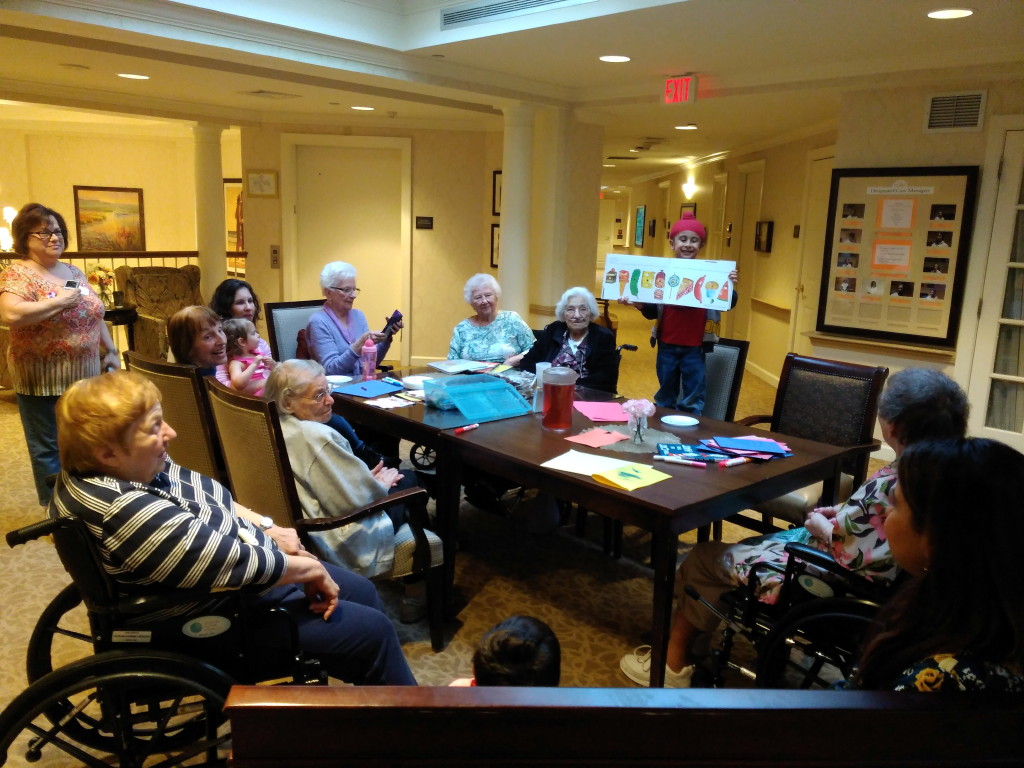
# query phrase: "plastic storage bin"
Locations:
[[478, 397]]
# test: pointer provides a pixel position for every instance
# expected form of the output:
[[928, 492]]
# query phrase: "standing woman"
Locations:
[[57, 333]]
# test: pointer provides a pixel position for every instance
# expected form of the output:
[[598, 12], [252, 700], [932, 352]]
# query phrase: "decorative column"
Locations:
[[516, 184], [210, 232]]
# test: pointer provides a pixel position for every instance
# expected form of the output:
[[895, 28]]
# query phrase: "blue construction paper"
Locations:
[[370, 388], [758, 446]]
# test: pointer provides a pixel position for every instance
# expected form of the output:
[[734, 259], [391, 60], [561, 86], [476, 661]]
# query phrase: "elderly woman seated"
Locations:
[[156, 522], [575, 341], [490, 336], [917, 404]]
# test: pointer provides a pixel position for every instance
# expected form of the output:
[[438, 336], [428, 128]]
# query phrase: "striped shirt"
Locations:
[[177, 531]]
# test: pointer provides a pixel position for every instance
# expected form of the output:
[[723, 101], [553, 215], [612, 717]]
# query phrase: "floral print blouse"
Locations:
[[858, 539], [503, 337], [958, 673]]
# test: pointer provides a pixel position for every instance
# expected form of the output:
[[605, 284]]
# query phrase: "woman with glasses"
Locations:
[[57, 332], [336, 334], [490, 336], [575, 341]]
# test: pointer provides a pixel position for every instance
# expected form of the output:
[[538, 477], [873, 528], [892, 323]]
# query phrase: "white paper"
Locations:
[[657, 280], [584, 463]]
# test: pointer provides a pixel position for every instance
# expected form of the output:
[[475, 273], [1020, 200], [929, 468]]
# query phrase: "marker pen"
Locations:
[[466, 428], [734, 462], [677, 460]]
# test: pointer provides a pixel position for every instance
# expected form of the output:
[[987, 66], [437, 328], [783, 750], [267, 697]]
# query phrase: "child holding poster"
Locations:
[[679, 331]]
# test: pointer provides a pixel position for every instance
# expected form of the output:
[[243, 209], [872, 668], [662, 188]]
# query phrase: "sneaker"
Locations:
[[637, 667]]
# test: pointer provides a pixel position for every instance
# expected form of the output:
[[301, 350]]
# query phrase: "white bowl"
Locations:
[[336, 381], [415, 382]]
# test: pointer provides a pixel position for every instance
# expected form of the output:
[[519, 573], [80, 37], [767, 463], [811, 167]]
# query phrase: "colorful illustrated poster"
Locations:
[[658, 280], [896, 253]]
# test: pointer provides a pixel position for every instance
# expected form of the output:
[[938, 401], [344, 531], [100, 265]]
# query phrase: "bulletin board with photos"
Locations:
[[896, 251]]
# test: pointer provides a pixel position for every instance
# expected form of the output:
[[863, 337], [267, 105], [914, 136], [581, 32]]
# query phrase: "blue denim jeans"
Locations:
[[39, 422], [683, 378]]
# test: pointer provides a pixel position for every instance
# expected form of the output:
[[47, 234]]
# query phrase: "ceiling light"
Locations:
[[951, 13], [608, 165], [634, 150], [128, 76], [363, 109], [614, 59], [689, 127]]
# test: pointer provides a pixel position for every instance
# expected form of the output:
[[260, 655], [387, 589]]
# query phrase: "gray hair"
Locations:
[[287, 378], [479, 280], [579, 290], [335, 271], [922, 404]]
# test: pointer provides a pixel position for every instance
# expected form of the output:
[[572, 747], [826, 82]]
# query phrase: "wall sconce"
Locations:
[[689, 189], [6, 240]]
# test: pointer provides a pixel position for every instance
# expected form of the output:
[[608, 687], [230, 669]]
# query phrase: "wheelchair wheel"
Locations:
[[48, 648], [815, 644], [126, 709], [422, 456]]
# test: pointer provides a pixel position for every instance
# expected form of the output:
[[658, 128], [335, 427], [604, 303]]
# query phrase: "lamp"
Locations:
[[689, 188], [6, 240]]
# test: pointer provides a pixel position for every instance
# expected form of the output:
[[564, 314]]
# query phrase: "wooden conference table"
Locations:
[[515, 448]]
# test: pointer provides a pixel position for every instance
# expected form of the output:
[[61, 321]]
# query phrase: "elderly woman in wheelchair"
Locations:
[[917, 404], [157, 524]]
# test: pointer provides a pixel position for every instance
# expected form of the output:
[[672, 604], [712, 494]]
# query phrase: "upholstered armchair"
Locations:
[[157, 293]]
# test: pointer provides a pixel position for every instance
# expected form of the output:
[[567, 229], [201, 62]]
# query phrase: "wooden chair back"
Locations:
[[255, 454], [284, 321], [187, 410], [724, 367]]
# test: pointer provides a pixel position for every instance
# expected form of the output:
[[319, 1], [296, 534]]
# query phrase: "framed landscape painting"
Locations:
[[109, 219]]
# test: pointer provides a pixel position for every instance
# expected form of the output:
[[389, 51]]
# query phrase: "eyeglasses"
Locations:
[[46, 234], [346, 291], [581, 311], [318, 397]]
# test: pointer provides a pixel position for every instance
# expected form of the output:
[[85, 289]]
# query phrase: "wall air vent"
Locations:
[[483, 11], [964, 111], [263, 94]]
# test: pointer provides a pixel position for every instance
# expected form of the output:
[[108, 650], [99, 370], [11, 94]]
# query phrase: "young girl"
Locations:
[[246, 368]]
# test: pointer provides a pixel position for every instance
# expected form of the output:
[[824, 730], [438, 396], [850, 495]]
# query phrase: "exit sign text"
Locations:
[[681, 90]]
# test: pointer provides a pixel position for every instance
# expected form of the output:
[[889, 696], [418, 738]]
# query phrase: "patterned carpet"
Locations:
[[599, 607]]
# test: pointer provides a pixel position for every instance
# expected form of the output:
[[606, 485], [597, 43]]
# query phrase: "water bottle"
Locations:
[[368, 359]]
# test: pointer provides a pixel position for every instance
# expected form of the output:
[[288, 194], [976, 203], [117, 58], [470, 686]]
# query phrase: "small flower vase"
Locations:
[[107, 296], [638, 428]]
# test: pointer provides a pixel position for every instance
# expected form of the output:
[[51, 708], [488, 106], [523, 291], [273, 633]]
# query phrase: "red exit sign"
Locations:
[[681, 90]]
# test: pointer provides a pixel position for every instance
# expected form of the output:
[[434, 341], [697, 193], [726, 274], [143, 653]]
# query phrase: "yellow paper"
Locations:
[[631, 477]]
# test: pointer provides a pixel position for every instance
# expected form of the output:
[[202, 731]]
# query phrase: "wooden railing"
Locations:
[[234, 260]]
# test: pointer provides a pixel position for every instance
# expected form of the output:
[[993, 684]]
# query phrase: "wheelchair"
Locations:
[[810, 638], [154, 690]]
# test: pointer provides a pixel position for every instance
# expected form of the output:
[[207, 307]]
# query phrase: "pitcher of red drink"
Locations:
[[559, 386]]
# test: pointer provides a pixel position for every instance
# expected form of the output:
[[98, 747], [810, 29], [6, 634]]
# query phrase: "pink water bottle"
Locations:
[[368, 359]]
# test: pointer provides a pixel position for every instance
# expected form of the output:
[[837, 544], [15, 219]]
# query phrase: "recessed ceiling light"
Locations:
[[363, 109], [689, 127], [608, 165], [128, 76], [634, 150], [614, 59], [951, 13]]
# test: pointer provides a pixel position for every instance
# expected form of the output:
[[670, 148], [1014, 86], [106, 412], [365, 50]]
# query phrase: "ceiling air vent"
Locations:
[[483, 11], [264, 94], [962, 111], [619, 157]]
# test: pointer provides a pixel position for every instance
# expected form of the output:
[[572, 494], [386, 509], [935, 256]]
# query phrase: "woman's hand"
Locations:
[[67, 297], [269, 363], [287, 539], [515, 359], [376, 336], [110, 362], [386, 476], [322, 594]]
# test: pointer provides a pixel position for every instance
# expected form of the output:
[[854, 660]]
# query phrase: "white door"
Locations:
[[819, 183], [996, 388], [349, 207]]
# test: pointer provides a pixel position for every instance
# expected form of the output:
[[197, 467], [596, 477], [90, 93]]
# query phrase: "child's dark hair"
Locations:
[[236, 331], [521, 651], [224, 297]]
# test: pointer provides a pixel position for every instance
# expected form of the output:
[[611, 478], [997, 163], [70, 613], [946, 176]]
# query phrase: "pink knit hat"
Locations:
[[688, 223]]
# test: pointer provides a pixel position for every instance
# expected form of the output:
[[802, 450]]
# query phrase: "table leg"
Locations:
[[449, 497], [663, 550]]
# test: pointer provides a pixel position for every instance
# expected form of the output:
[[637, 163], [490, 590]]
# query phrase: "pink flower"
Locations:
[[638, 408]]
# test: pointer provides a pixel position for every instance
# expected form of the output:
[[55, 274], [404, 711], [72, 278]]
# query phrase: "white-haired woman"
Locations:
[[490, 336], [575, 341], [336, 334]]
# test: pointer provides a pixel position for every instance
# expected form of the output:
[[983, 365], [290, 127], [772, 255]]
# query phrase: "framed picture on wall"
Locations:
[[896, 249], [261, 183], [638, 226], [691, 207], [496, 193], [109, 219], [495, 244]]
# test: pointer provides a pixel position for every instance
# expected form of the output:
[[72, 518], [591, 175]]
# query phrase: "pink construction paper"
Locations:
[[601, 411], [597, 438]]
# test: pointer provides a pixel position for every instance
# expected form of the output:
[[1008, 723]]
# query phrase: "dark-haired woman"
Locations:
[[57, 332], [956, 526]]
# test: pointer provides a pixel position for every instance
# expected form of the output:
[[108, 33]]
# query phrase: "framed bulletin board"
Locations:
[[896, 251]]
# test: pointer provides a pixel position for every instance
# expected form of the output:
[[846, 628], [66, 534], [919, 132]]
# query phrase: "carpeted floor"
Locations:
[[599, 607]]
